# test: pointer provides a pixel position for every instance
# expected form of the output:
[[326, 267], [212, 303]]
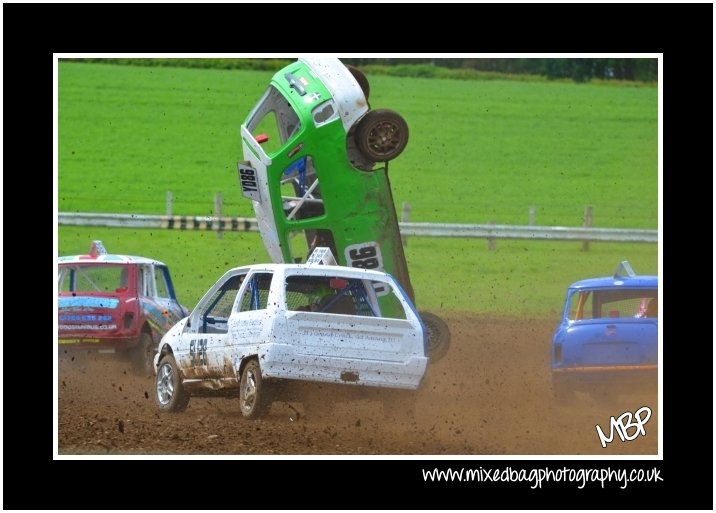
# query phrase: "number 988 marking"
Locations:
[[366, 255], [365, 258]]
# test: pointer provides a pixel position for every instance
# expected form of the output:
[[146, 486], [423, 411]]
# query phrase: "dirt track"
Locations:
[[489, 396]]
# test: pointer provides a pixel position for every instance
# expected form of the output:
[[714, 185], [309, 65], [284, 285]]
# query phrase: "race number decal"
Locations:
[[366, 255], [249, 182], [197, 352]]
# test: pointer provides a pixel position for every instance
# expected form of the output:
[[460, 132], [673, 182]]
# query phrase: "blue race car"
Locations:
[[606, 343]]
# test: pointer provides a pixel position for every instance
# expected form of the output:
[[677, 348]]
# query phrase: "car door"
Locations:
[[252, 322], [202, 351], [158, 300]]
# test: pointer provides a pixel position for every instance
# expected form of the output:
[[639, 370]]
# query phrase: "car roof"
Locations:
[[108, 259], [321, 269], [98, 254], [624, 277], [636, 282], [344, 88]]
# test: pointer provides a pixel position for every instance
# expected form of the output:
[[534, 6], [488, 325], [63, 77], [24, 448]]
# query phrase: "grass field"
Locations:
[[478, 152]]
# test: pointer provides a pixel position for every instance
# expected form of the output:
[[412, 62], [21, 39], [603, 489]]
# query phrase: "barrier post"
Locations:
[[587, 224]]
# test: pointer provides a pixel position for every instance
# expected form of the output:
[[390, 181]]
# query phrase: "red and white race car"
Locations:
[[115, 303]]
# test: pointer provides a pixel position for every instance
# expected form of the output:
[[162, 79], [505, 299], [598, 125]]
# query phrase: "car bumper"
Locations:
[[96, 343], [618, 379]]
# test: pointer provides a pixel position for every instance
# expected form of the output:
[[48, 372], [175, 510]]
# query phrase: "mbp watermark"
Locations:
[[624, 423]]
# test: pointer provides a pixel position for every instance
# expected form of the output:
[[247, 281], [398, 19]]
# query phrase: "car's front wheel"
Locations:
[[252, 391], [381, 135], [169, 392]]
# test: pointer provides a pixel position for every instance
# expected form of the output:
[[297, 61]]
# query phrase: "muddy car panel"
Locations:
[[308, 187], [259, 311]]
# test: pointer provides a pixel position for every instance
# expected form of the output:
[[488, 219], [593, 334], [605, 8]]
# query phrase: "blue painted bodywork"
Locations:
[[611, 340]]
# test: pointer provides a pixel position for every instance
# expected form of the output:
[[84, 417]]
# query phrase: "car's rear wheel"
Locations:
[[438, 335], [143, 355], [252, 392], [361, 79], [381, 135], [169, 393]]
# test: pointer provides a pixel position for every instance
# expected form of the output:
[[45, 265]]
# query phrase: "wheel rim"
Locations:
[[384, 138], [248, 392], [165, 384]]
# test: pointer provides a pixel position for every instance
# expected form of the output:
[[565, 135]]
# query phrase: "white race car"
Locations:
[[261, 325]]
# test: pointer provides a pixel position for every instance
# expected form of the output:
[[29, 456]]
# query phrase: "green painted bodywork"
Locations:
[[358, 204]]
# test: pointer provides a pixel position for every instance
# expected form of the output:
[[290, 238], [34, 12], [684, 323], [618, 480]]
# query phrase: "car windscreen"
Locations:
[[93, 278]]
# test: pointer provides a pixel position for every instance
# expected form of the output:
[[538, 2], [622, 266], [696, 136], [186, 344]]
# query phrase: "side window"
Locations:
[[300, 192], [348, 296], [274, 118], [580, 306], [144, 281], [64, 279], [297, 299], [320, 294], [214, 317], [390, 305], [324, 113], [256, 292], [160, 279]]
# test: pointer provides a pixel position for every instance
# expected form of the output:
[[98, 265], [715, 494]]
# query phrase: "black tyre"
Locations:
[[361, 79], [438, 335], [142, 355], [252, 394], [381, 135], [169, 393]]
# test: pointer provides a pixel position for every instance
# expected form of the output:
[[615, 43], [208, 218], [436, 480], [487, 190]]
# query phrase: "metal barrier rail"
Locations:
[[224, 224], [479, 231], [496, 231]]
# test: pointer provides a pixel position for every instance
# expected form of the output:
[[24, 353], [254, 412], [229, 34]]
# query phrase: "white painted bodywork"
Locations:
[[351, 104], [303, 345], [259, 161], [344, 88]]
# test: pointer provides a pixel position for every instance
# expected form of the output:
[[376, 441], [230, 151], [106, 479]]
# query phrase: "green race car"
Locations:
[[316, 168]]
